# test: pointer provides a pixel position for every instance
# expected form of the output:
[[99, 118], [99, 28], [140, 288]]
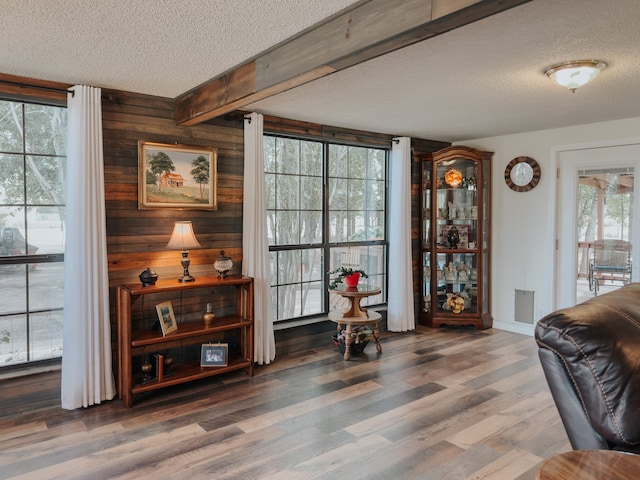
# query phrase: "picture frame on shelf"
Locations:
[[214, 355], [177, 176], [166, 318]]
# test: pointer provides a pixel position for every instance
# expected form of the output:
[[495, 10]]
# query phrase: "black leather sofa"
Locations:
[[590, 354]]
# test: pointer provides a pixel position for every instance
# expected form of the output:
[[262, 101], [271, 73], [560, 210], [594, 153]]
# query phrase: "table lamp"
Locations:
[[183, 238]]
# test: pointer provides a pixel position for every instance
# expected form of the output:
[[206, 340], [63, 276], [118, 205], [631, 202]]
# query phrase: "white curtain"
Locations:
[[400, 313], [255, 247], [87, 376]]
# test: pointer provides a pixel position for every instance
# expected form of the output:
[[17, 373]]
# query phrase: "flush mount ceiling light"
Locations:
[[575, 74]]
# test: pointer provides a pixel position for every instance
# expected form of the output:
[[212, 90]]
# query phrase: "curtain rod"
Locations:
[[39, 87]]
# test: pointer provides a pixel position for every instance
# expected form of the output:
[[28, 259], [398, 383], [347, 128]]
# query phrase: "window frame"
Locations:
[[325, 245], [28, 260]]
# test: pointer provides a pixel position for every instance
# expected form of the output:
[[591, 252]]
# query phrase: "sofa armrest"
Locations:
[[576, 423]]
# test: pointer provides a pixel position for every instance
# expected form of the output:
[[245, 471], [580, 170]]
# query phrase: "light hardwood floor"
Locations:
[[437, 404]]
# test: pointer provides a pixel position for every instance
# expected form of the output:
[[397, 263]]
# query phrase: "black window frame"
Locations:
[[325, 245]]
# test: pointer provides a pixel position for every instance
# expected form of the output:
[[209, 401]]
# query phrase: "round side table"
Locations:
[[354, 314], [590, 465]]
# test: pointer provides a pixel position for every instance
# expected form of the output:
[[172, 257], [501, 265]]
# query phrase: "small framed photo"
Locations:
[[176, 176], [214, 355], [167, 318]]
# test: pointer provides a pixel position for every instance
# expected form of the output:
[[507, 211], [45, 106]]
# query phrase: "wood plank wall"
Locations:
[[136, 239]]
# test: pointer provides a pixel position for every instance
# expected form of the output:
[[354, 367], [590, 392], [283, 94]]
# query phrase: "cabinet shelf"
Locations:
[[137, 341]]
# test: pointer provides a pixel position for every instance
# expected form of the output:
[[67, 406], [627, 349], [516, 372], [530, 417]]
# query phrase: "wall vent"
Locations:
[[524, 306]]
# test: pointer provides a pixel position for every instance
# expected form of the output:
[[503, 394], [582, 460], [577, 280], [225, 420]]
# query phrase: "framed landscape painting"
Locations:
[[176, 176]]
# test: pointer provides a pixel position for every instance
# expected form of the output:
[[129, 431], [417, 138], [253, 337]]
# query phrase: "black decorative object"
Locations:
[[148, 277], [453, 237]]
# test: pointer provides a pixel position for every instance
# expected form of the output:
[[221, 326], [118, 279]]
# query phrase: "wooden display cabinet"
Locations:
[[140, 338], [455, 237]]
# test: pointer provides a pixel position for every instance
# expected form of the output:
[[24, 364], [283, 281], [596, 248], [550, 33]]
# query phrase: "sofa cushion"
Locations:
[[599, 343]]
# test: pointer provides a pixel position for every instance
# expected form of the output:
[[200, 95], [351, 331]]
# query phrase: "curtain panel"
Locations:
[[87, 376], [400, 305], [255, 246]]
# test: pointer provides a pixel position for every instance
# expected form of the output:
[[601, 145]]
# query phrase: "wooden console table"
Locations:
[[354, 314], [136, 306], [590, 465]]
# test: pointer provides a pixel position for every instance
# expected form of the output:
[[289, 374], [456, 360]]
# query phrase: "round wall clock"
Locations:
[[522, 174]]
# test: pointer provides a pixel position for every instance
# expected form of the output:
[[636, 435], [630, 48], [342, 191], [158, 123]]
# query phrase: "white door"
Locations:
[[608, 161]]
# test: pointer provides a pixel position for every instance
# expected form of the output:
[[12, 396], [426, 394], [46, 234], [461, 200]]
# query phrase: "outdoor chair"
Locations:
[[611, 260]]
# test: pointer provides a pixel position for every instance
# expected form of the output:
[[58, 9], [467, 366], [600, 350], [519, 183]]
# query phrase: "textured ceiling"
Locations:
[[481, 80]]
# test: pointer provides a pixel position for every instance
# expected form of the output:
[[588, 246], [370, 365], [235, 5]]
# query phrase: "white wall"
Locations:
[[523, 224]]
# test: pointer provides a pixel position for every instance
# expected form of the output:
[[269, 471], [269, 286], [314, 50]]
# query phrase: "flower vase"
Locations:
[[352, 280]]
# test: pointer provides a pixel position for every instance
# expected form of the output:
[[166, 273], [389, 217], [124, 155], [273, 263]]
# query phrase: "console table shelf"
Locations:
[[137, 339], [188, 372]]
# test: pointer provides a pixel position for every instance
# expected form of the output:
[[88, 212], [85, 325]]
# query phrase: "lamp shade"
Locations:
[[183, 237], [575, 74]]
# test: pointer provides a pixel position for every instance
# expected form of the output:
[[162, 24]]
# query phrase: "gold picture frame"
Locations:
[[177, 176], [166, 318]]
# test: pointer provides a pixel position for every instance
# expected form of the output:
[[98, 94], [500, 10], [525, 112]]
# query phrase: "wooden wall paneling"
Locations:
[[136, 239]]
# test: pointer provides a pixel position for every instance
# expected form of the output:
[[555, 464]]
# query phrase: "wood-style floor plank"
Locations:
[[448, 403]]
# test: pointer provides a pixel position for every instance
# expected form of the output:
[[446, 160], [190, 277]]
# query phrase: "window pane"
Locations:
[[312, 298], [45, 335], [273, 264], [288, 267], [46, 229], [13, 340], [311, 231], [270, 191], [287, 228], [269, 146], [288, 156], [13, 285], [46, 286], [12, 179], [311, 264], [45, 129], [311, 194], [311, 158], [337, 194], [45, 180], [338, 160], [11, 126], [357, 162], [12, 229], [288, 192]]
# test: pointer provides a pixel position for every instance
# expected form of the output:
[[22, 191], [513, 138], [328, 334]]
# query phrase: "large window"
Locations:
[[326, 207], [32, 230]]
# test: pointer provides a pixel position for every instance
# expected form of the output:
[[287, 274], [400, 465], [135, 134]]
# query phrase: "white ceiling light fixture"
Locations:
[[575, 74]]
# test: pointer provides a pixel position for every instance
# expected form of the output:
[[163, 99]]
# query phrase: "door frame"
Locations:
[[569, 161]]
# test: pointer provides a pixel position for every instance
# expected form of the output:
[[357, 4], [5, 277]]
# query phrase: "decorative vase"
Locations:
[[148, 277], [453, 237], [352, 280], [208, 316]]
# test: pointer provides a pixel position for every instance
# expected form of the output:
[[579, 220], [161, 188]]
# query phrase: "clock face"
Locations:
[[522, 174]]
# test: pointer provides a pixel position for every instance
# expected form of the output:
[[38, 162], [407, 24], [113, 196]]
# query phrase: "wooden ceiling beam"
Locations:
[[370, 29]]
